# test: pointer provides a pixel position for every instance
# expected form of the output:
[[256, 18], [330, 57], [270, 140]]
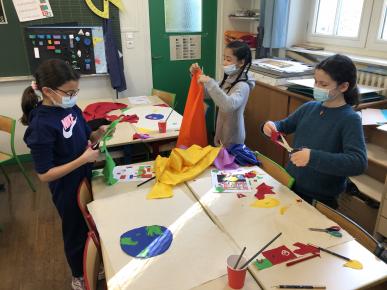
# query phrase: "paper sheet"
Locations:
[[28, 10], [373, 116], [140, 100], [127, 173], [197, 254]]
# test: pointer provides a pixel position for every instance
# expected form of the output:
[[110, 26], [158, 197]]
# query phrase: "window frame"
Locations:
[[373, 41], [359, 41]]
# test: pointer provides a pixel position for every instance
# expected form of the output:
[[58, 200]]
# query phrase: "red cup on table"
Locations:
[[236, 277], [162, 126]]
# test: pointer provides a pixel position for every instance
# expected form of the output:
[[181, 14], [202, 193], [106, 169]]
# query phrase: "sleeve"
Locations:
[[228, 103], [289, 124], [352, 161], [41, 141]]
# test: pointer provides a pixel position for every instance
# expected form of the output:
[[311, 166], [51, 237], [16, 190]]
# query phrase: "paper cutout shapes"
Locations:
[[263, 189], [229, 181], [354, 264], [262, 264], [140, 136], [154, 116], [279, 255], [305, 249], [268, 202], [283, 209], [241, 195], [146, 242], [251, 174]]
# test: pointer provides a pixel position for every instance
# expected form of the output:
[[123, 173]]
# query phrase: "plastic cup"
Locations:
[[162, 127], [236, 277]]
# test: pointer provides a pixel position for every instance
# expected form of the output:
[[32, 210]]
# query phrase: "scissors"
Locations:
[[286, 145], [333, 231]]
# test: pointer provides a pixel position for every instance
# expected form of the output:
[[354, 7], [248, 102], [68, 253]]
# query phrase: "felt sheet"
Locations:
[[180, 166], [197, 254]]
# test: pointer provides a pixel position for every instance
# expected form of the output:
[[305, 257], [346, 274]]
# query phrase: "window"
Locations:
[[383, 23], [183, 15]]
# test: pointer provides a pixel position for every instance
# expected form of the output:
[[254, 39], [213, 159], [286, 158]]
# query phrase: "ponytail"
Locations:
[[29, 102], [352, 96]]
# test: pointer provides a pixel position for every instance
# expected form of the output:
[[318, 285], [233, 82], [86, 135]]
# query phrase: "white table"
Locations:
[[125, 130], [254, 227], [123, 206]]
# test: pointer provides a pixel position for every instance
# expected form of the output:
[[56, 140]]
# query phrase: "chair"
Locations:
[[361, 235], [85, 196], [275, 170], [8, 125], [92, 259], [167, 97]]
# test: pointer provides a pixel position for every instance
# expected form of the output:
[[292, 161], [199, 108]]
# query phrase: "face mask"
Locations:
[[67, 102], [321, 95], [229, 69]]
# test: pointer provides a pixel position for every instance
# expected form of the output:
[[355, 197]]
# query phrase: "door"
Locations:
[[177, 22]]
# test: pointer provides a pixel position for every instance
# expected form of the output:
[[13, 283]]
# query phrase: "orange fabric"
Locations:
[[193, 127]]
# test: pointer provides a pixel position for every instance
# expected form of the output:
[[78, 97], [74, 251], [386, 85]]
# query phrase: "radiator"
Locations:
[[373, 80]]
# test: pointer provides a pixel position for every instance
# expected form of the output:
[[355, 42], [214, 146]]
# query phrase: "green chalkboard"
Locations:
[[13, 55]]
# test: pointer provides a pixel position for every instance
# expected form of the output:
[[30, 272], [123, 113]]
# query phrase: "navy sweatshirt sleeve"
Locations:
[[352, 161], [289, 124]]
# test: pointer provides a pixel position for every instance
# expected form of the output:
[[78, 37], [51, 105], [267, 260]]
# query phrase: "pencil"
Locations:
[[239, 258], [138, 185], [260, 251], [334, 254], [300, 287]]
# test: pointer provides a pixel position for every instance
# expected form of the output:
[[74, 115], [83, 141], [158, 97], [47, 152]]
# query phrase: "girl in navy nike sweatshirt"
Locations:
[[58, 138]]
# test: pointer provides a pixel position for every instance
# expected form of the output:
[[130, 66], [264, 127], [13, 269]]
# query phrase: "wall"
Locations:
[[138, 69]]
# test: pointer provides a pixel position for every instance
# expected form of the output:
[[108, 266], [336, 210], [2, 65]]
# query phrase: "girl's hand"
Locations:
[[300, 158], [102, 130], [268, 128], [203, 79], [90, 155], [193, 68]]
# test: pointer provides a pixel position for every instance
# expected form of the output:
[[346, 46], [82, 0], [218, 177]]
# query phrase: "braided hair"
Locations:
[[242, 52]]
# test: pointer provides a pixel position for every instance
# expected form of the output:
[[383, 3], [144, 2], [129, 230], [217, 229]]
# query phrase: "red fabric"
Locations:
[[305, 249], [263, 189], [193, 128], [279, 255], [126, 118], [100, 109]]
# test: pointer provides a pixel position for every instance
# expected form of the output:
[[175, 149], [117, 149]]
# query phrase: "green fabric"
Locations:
[[109, 162]]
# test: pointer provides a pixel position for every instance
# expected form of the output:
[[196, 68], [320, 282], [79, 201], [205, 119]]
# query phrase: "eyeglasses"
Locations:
[[71, 93]]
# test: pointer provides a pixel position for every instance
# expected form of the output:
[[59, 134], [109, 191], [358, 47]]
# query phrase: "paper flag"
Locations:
[[241, 195], [353, 264], [263, 189], [279, 255], [266, 203], [263, 264], [305, 249]]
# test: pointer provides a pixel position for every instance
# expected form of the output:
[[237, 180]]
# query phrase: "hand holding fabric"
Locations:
[[194, 68], [203, 79], [268, 128]]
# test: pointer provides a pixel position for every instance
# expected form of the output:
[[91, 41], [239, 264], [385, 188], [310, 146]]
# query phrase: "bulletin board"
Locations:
[[13, 49]]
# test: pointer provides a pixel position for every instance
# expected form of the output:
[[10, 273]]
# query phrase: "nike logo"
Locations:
[[69, 133]]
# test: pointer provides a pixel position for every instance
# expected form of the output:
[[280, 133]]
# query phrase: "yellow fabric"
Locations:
[[182, 165], [354, 264]]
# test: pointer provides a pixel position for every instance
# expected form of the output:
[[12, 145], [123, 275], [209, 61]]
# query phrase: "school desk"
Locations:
[[254, 227], [196, 258], [125, 130]]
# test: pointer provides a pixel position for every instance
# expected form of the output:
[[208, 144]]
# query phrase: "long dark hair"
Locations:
[[242, 52], [341, 69], [52, 74]]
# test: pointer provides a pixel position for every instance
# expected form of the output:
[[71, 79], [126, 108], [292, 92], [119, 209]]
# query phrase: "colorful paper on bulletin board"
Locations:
[[230, 181], [146, 242], [105, 12], [32, 9], [127, 173], [99, 50]]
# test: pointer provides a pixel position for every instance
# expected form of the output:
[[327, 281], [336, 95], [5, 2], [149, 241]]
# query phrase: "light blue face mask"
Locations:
[[67, 102], [321, 95]]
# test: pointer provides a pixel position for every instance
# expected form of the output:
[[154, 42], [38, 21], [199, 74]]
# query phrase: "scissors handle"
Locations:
[[334, 228], [335, 234]]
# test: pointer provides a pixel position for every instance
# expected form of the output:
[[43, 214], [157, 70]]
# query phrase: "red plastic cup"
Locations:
[[162, 126], [236, 277]]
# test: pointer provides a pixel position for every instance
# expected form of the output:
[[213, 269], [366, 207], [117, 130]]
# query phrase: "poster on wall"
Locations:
[[3, 17], [28, 10]]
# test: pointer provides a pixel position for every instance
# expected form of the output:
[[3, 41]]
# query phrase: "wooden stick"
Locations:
[[260, 251], [291, 263], [138, 185], [239, 258], [174, 106], [333, 253]]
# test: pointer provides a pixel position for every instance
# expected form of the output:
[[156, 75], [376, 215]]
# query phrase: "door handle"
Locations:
[[157, 57]]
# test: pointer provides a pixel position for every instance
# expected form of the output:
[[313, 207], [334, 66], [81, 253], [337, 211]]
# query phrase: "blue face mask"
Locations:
[[321, 95], [67, 101]]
